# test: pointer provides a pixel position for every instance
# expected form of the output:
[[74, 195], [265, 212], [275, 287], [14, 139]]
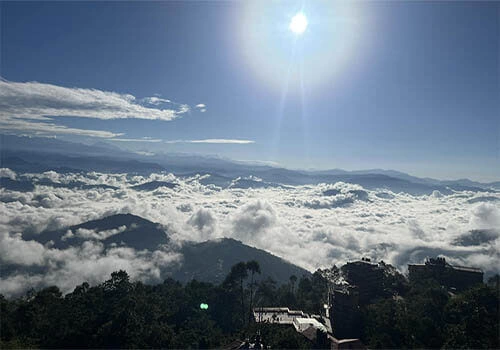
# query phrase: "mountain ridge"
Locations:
[[208, 261]]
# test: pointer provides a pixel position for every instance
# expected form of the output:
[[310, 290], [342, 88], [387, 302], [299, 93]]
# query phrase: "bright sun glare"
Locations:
[[298, 24]]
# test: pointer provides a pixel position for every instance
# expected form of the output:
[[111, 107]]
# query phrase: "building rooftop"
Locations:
[[363, 262], [466, 268], [456, 267], [281, 315], [302, 323]]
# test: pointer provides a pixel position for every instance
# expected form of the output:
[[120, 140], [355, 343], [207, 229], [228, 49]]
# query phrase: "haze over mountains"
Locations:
[[74, 212], [23, 154]]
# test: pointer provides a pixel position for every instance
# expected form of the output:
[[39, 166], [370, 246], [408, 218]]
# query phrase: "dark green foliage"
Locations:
[[114, 314], [254, 267], [123, 314], [277, 336], [472, 319], [394, 283], [380, 328], [311, 293], [211, 261], [430, 317], [266, 294]]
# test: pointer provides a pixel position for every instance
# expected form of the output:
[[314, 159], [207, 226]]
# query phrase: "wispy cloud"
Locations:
[[217, 141], [31, 106], [201, 107], [18, 125], [33, 100], [146, 139], [155, 100]]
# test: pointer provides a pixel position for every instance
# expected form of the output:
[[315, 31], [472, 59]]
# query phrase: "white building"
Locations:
[[280, 315], [303, 323]]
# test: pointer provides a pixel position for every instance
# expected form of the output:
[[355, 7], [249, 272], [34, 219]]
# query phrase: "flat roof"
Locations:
[[456, 267], [363, 262], [310, 321], [281, 315], [466, 268]]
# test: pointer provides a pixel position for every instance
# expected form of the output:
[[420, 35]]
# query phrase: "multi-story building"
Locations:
[[344, 313], [367, 277], [453, 277]]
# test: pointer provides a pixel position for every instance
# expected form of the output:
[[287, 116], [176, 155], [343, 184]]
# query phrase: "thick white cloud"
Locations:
[[15, 250], [69, 267], [485, 216], [303, 224], [253, 219], [204, 222], [6, 172], [436, 194]]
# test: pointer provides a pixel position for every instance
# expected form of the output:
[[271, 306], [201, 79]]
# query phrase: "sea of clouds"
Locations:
[[313, 226]]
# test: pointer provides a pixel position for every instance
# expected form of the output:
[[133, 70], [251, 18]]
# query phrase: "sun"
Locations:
[[298, 24]]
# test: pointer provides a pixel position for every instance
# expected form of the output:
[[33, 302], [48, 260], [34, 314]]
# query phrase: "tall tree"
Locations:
[[237, 276], [254, 267]]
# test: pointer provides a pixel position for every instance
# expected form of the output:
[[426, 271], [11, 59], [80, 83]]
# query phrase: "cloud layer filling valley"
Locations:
[[312, 226]]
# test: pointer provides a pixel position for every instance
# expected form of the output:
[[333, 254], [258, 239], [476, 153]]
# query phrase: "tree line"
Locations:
[[119, 313]]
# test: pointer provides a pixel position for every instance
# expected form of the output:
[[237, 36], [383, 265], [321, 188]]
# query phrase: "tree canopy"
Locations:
[[120, 313]]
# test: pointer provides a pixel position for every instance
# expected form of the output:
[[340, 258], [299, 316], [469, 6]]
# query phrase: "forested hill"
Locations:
[[211, 261], [208, 261]]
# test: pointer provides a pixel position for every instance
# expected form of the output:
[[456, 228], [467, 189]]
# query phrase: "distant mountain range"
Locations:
[[153, 185], [208, 261], [32, 154]]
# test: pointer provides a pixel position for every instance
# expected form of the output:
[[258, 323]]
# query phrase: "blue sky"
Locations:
[[412, 86]]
